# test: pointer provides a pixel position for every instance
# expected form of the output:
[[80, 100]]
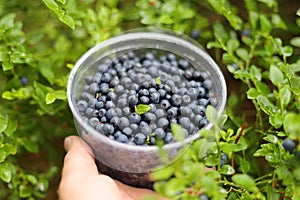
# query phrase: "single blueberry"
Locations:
[[139, 139], [163, 123], [149, 117], [127, 131], [124, 122], [122, 138], [289, 145], [144, 100], [195, 34], [108, 129], [165, 104], [82, 105], [169, 137], [160, 113], [185, 122], [176, 100], [160, 133], [134, 118], [24, 80], [94, 121]]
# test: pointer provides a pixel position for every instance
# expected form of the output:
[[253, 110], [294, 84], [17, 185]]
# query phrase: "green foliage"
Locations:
[[41, 40]]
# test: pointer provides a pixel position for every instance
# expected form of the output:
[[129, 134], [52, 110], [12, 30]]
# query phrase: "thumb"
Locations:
[[79, 159]]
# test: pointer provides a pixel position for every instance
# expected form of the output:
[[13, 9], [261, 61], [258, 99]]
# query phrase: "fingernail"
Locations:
[[68, 143]]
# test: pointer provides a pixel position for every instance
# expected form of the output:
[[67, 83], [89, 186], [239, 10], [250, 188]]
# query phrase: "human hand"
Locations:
[[81, 179]]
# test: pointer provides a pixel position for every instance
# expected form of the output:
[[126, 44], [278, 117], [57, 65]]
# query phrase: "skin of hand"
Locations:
[[81, 179]]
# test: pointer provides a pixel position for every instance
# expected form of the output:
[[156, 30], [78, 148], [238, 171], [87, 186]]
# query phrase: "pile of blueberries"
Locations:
[[166, 88]]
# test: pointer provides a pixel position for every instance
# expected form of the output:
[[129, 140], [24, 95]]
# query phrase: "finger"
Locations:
[[79, 161]]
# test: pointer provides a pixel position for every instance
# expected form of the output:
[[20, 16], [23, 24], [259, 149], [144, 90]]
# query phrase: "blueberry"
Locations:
[[121, 138], [152, 140], [160, 113], [162, 92], [289, 145], [115, 121], [201, 92], [132, 101], [195, 34], [101, 112], [162, 123], [185, 122], [203, 197], [124, 122], [176, 100], [88, 79], [111, 96], [82, 105], [155, 97], [127, 131], [134, 127], [139, 139], [99, 105], [160, 133], [108, 129], [134, 118], [93, 88], [110, 104], [169, 137], [106, 77], [186, 99], [94, 121], [171, 57], [185, 111], [144, 92], [119, 89], [149, 117], [144, 100], [86, 96], [165, 104], [246, 33], [208, 84], [99, 127], [110, 113], [172, 112], [24, 80], [183, 64], [145, 128], [122, 103], [90, 112], [203, 102], [104, 88], [203, 123]]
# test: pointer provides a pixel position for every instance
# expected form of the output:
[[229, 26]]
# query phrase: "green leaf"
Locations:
[[252, 93], [278, 22], [158, 80], [232, 44], [213, 44], [163, 173], [142, 109], [32, 179], [286, 51], [68, 20], [266, 105], [211, 114], [269, 3], [255, 73], [24, 191], [3, 123], [295, 42], [227, 170], [51, 4], [57, 94], [271, 193], [242, 53], [276, 120], [165, 19], [6, 171], [298, 12], [260, 152], [30, 145], [265, 24], [11, 126], [174, 186], [254, 17], [228, 147], [2, 155], [291, 124], [285, 95], [271, 138], [179, 132], [245, 181], [205, 148]]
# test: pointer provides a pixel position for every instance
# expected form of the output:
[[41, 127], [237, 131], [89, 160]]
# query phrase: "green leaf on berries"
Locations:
[[158, 81], [142, 109], [291, 124]]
